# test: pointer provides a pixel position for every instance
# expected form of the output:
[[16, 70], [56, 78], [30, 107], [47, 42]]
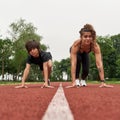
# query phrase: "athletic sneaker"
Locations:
[[77, 82], [83, 83]]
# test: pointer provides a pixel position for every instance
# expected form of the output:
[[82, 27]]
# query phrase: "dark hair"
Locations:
[[88, 28], [31, 44]]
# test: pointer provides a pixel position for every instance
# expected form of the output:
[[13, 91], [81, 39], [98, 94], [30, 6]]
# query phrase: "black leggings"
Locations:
[[82, 58]]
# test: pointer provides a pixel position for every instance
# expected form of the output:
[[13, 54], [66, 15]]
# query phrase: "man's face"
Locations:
[[34, 52]]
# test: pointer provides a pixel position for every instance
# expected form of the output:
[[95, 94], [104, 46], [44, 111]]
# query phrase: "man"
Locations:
[[40, 58]]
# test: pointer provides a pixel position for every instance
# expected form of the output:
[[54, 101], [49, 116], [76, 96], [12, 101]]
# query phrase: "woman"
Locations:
[[79, 55]]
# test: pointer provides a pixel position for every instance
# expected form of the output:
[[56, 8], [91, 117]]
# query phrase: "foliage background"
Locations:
[[13, 56]]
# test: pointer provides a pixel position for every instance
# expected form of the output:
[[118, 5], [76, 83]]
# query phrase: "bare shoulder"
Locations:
[[97, 46], [76, 43], [75, 46]]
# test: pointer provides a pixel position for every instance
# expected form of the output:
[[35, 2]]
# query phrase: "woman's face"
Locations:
[[34, 52], [86, 38]]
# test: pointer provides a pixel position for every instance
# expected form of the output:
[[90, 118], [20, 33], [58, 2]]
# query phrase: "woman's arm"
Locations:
[[73, 57], [99, 64], [73, 65]]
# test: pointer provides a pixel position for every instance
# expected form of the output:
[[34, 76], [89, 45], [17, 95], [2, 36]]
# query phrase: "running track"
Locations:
[[59, 103]]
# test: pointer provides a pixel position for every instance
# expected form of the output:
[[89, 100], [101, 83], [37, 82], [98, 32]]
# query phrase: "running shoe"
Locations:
[[83, 83], [77, 82]]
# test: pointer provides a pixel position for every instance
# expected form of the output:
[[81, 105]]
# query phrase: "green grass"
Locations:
[[16, 82], [107, 82], [39, 82]]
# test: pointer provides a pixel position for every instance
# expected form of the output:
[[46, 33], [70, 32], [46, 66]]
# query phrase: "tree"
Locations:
[[60, 69], [65, 67], [116, 42], [108, 56], [118, 67], [21, 32], [57, 73], [5, 53]]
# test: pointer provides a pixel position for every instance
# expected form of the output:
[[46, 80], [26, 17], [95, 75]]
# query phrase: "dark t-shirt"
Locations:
[[43, 57]]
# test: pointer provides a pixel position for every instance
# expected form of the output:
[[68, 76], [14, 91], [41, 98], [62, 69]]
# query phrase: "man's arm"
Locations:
[[24, 77]]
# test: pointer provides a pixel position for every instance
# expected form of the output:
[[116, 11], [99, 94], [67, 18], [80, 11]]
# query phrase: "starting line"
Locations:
[[58, 109]]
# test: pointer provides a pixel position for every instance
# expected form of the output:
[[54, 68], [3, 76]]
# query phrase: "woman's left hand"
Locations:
[[105, 85]]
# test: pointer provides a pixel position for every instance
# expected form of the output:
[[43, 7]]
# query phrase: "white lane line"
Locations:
[[58, 108]]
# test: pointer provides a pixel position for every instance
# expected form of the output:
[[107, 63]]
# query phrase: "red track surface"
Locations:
[[94, 103], [24, 103], [86, 103]]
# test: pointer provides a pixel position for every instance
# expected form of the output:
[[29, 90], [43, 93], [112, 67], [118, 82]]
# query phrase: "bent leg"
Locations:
[[85, 65], [47, 68], [78, 65]]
